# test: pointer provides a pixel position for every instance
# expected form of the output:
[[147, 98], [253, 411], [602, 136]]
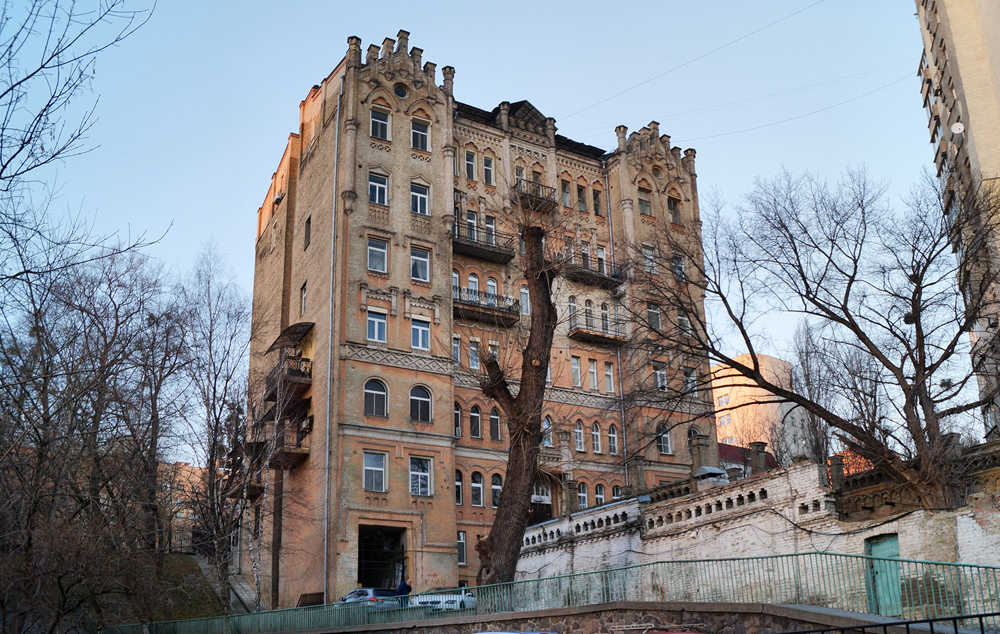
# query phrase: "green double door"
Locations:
[[883, 582]]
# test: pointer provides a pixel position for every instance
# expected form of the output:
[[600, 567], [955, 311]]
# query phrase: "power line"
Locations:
[[693, 60]]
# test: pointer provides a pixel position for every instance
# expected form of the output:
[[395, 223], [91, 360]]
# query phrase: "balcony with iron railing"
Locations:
[[599, 329], [291, 448], [487, 308], [599, 272], [533, 196], [483, 243], [290, 378]]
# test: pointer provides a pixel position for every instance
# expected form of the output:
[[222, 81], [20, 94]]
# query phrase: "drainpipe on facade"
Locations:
[[618, 352], [329, 356]]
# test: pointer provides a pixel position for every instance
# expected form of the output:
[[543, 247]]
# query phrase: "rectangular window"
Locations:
[[420, 334], [602, 259], [456, 349], [420, 476], [674, 207], [376, 327], [663, 440], [302, 299], [592, 373], [645, 208], [731, 440], [474, 355], [470, 165], [519, 173], [564, 190], [477, 490], [378, 255], [490, 230], [487, 170], [581, 198], [649, 259], [575, 367], [377, 186], [723, 400], [597, 203], [609, 377], [374, 472], [380, 125], [683, 322], [690, 381], [307, 233], [461, 549], [677, 266], [418, 135], [418, 199], [420, 264], [660, 375], [653, 316], [725, 420]]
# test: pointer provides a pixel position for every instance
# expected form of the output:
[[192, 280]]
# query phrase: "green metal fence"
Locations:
[[892, 587]]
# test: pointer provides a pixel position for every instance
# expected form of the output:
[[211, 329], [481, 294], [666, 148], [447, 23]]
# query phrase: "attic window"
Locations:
[[400, 91]]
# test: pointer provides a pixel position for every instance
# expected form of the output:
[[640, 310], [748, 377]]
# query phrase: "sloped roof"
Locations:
[[741, 455]]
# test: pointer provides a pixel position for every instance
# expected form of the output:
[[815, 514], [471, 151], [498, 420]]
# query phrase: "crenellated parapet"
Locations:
[[392, 63]]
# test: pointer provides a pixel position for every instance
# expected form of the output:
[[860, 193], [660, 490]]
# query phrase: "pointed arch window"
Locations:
[[496, 488], [475, 428], [578, 436], [613, 440], [494, 424], [546, 432], [595, 437]]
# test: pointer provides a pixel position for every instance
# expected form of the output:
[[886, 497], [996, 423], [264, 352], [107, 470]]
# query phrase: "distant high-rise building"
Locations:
[[387, 268]]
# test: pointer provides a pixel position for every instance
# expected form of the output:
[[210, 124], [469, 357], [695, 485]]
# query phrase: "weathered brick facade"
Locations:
[[387, 256]]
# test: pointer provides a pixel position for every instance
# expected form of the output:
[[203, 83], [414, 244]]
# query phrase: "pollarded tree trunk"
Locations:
[[499, 552]]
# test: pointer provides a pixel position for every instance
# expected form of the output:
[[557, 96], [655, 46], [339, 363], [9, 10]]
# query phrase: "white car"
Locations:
[[445, 599]]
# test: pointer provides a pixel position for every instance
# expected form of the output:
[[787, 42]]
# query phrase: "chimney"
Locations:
[[758, 457], [354, 51], [734, 473], [402, 41], [449, 79], [505, 115], [697, 445], [620, 131], [550, 131], [837, 472]]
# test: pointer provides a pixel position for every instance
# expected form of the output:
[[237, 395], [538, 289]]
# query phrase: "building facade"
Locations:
[[387, 267], [960, 73]]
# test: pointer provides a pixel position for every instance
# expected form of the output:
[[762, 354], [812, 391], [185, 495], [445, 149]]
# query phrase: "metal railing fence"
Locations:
[[891, 587]]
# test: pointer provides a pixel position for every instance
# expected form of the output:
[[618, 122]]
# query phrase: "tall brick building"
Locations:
[[387, 265], [960, 72]]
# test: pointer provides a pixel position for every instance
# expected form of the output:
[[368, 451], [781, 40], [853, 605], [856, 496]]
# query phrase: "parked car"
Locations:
[[445, 599], [375, 595]]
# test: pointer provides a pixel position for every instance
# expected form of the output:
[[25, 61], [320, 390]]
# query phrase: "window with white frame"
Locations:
[[574, 365], [489, 230], [374, 472], [420, 404], [725, 419], [564, 192], [598, 494], [609, 377], [648, 259], [462, 561], [376, 326], [613, 440], [653, 316], [674, 207], [581, 198], [723, 400], [678, 268], [660, 375], [496, 488], [663, 438], [420, 334], [378, 255], [525, 301], [541, 493], [474, 355], [578, 436], [488, 170], [302, 299], [690, 381], [597, 202], [377, 188], [616, 492], [420, 264], [458, 420], [380, 125], [419, 135], [592, 373], [420, 476], [376, 399], [494, 424], [470, 165], [581, 495], [456, 349], [546, 432], [595, 438], [419, 195], [683, 322], [477, 488], [475, 422], [645, 209], [458, 487]]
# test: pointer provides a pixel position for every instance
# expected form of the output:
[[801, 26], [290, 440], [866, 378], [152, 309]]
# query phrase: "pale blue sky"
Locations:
[[194, 109]]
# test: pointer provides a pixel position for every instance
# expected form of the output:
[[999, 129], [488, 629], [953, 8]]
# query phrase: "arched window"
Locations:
[[525, 301], [578, 436], [496, 486], [581, 495], [605, 318], [546, 432], [477, 488], [473, 288], [491, 291], [595, 437], [598, 494], [693, 431], [494, 424], [475, 429], [420, 404], [458, 420], [616, 492], [458, 487], [456, 284], [588, 314], [613, 440], [376, 403], [572, 312], [663, 438]]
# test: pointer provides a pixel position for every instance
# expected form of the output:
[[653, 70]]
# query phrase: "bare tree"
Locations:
[[882, 286]]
